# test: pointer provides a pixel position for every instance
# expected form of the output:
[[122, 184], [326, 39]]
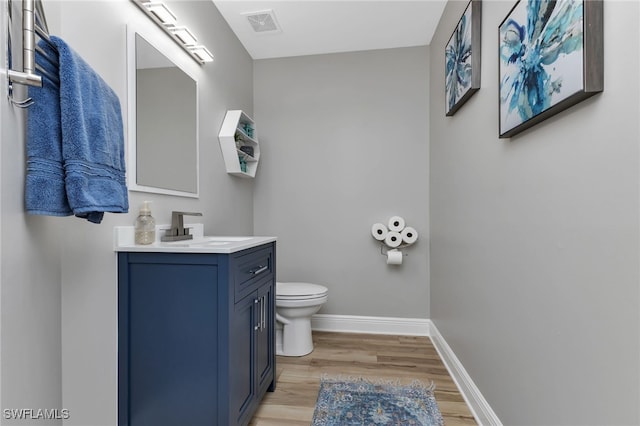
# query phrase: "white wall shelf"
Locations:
[[238, 130]]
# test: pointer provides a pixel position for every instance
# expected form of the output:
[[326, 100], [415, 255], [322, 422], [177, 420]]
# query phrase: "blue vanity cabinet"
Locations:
[[196, 336]]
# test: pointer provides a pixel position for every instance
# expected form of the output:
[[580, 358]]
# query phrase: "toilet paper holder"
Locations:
[[399, 248], [395, 236]]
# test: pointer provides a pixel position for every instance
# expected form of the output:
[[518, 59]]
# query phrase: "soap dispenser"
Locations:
[[145, 227]]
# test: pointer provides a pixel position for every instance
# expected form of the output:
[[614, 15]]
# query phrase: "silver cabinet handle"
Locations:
[[257, 326], [264, 313], [259, 270]]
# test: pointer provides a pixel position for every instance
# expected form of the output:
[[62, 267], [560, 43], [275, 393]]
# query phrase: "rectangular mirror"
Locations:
[[163, 121]]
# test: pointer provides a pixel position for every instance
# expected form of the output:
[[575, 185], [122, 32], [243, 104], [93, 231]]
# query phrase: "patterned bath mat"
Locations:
[[343, 402]]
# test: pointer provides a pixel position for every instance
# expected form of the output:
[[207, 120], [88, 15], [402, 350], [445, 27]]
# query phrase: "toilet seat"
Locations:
[[300, 291]]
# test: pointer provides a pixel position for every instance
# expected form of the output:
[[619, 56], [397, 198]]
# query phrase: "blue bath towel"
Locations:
[[92, 139], [92, 142], [45, 191]]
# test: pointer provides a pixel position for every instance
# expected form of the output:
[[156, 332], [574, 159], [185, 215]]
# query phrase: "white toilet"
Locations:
[[295, 303]]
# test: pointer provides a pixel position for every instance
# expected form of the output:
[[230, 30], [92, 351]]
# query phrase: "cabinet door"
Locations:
[[242, 369], [169, 325], [265, 339]]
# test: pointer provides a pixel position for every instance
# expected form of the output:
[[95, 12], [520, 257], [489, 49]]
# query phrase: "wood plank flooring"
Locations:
[[403, 358]]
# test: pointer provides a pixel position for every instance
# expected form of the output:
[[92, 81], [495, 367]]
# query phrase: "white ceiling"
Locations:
[[312, 27]]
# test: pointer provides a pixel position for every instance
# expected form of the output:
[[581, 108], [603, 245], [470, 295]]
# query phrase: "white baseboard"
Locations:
[[479, 406], [371, 325]]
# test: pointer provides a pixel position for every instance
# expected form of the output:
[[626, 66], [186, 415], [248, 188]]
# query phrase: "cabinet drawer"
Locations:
[[250, 268]]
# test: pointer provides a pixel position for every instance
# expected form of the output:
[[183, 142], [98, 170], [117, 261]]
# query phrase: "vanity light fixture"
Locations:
[[162, 12], [202, 53], [184, 35], [165, 19]]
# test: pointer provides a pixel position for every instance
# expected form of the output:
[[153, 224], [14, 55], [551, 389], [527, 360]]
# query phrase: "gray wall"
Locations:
[[534, 240], [344, 142], [59, 324], [30, 367]]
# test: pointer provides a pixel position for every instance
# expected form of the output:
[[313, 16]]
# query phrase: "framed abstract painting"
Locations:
[[462, 58], [551, 58]]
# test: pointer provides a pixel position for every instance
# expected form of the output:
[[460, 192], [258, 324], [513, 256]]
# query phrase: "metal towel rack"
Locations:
[[33, 21]]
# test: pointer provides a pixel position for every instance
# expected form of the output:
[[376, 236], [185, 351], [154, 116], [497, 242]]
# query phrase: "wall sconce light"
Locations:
[[165, 19]]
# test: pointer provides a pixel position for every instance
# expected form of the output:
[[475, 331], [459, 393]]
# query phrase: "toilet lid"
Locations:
[[299, 290]]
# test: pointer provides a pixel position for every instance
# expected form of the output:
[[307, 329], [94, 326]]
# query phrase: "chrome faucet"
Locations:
[[178, 232]]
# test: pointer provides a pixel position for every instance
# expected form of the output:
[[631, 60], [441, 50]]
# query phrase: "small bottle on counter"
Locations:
[[145, 226]]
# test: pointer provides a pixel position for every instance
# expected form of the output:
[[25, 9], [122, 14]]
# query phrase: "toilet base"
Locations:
[[294, 339]]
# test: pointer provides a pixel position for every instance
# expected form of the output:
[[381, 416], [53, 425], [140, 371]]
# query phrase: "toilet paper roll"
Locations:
[[393, 239], [394, 257], [379, 231], [396, 224], [409, 235]]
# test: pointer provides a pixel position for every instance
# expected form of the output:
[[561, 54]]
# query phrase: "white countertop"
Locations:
[[124, 241]]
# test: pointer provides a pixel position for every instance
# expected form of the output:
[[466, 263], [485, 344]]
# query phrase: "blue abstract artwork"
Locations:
[[462, 53], [541, 60]]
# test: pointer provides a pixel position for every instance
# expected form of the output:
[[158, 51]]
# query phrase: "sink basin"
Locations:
[[227, 239], [207, 241], [217, 241]]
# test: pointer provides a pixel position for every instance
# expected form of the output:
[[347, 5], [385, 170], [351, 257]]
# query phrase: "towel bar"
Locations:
[[33, 21]]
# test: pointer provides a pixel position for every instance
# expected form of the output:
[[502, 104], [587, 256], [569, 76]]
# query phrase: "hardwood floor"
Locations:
[[403, 358]]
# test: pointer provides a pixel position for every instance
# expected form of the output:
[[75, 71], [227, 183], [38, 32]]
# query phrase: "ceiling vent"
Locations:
[[263, 21]]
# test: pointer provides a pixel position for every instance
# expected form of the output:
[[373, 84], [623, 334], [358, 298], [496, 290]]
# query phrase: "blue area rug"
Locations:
[[363, 402]]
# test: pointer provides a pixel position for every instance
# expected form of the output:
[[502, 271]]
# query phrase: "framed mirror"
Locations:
[[163, 148]]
